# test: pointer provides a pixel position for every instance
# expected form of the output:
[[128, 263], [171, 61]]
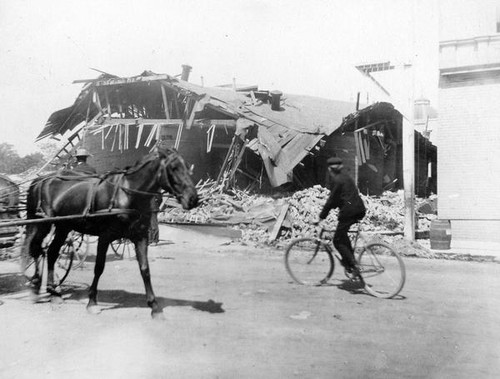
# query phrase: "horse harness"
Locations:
[[96, 180]]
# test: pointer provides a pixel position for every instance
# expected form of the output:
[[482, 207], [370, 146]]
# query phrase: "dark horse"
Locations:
[[129, 191]]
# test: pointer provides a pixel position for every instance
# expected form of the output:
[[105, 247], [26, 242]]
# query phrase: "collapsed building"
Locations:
[[238, 136]]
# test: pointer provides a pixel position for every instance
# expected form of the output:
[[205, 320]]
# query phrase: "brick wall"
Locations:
[[469, 157]]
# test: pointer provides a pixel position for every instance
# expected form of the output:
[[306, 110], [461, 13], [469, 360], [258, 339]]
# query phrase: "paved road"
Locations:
[[233, 312]]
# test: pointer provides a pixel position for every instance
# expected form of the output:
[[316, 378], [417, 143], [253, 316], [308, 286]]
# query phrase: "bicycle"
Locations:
[[310, 261]]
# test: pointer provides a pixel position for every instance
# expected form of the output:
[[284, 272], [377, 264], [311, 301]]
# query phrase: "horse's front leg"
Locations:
[[52, 255], [141, 252], [100, 262]]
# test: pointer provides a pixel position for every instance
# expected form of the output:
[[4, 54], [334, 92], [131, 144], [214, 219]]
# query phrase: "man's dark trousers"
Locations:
[[342, 242]]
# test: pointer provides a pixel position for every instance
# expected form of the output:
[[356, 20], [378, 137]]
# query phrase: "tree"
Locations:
[[8, 157], [12, 163]]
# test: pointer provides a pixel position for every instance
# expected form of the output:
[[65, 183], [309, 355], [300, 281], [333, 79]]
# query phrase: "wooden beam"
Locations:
[[141, 121], [98, 101], [106, 94], [165, 102], [226, 159], [136, 79], [279, 222], [370, 125]]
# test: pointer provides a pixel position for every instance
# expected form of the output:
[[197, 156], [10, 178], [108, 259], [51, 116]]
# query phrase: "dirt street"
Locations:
[[232, 312]]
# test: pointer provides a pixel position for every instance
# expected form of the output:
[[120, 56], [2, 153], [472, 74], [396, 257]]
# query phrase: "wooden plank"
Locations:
[[136, 79], [238, 160], [279, 222], [370, 125], [296, 150], [226, 159], [165, 102], [108, 103], [269, 142], [141, 121], [62, 218]]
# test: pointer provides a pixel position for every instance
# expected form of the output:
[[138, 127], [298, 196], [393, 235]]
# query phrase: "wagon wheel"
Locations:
[[122, 246], [64, 261], [62, 265], [81, 245], [66, 255]]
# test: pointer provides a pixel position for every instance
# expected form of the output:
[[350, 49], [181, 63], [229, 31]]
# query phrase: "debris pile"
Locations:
[[259, 216]]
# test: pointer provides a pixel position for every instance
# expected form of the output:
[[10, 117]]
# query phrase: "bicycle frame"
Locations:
[[329, 241]]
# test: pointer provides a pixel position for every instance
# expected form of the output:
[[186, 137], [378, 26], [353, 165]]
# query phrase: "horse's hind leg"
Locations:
[[141, 251], [32, 247], [102, 248], [52, 255]]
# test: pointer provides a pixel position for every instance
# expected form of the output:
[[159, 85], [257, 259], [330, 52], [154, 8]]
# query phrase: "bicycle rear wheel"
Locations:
[[382, 269], [309, 261]]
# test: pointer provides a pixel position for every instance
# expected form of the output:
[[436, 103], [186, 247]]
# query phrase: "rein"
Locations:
[[164, 162], [163, 165]]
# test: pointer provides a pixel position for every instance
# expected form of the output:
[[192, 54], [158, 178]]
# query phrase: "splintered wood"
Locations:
[[265, 220]]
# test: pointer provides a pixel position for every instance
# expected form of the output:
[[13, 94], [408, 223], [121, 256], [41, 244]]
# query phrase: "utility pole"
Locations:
[[409, 173], [409, 148]]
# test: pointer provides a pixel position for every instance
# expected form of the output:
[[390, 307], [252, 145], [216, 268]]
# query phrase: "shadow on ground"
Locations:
[[123, 299], [12, 282], [355, 288]]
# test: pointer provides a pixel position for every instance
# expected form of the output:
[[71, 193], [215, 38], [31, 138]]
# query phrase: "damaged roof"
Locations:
[[285, 136], [303, 114]]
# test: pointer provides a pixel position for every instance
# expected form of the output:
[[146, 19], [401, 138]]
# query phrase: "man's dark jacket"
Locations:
[[84, 167], [345, 196]]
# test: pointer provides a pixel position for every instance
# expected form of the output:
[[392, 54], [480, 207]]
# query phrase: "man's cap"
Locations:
[[334, 161], [82, 153]]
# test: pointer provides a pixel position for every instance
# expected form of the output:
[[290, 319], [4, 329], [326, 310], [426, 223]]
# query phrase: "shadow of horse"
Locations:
[[12, 282], [118, 299]]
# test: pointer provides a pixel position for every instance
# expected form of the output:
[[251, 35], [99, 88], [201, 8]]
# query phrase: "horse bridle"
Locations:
[[162, 170]]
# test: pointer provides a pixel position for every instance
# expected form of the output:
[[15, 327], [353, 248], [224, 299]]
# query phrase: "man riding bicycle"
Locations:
[[344, 195]]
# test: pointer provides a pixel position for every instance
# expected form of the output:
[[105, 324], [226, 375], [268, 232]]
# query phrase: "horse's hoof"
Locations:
[[93, 309], [34, 296], [56, 300], [159, 316], [54, 291], [37, 297]]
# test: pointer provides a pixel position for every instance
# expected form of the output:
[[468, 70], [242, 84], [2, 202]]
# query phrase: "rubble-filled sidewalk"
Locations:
[[265, 220]]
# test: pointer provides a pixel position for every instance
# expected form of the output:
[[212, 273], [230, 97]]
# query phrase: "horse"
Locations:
[[129, 191]]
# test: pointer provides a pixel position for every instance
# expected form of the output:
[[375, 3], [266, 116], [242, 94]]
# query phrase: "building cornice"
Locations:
[[468, 41]]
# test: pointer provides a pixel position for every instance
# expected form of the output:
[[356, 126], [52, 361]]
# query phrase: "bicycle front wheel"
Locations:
[[309, 261], [383, 270]]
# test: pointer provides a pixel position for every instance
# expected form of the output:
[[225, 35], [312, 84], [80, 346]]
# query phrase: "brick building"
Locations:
[[469, 131]]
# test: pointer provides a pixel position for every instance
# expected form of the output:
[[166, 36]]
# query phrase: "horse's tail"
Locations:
[[33, 198], [32, 244]]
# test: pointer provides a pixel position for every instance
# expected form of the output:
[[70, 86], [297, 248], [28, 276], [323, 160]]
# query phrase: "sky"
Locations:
[[300, 47]]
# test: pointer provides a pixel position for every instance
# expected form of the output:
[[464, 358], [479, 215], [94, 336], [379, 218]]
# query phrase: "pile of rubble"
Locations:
[[266, 220]]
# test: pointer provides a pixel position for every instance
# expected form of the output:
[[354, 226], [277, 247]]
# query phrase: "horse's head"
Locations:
[[175, 177]]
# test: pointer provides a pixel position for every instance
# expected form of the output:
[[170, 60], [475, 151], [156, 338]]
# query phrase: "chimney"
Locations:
[[276, 100], [186, 69]]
